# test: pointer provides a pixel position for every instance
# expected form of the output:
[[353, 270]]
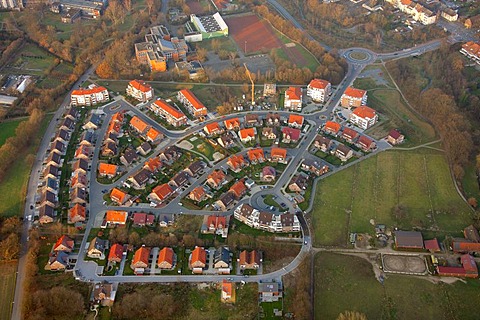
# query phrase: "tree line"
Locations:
[[449, 101]]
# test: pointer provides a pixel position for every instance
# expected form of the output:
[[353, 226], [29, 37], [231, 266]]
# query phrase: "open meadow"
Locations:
[[7, 288], [7, 129], [405, 189], [348, 283]]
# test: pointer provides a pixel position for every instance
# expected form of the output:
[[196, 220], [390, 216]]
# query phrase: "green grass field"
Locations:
[[13, 186], [7, 288], [348, 283], [7, 129], [419, 181], [311, 61], [34, 58]]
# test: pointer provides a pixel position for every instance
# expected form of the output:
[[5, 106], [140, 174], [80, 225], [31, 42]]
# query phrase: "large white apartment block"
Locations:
[[140, 90], [191, 102], [363, 117], [89, 97], [318, 89]]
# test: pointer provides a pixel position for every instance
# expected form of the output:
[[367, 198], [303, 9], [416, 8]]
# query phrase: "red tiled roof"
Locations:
[[365, 141], [238, 188], [355, 93], [217, 221], [153, 134], [76, 210], [198, 192], [141, 255], [236, 161], [432, 245], [332, 126], [108, 169], [450, 270], [140, 85], [227, 287], [199, 254], [292, 132], [255, 154], [278, 152], [350, 133], [163, 191], [319, 84], [364, 112], [293, 93], [212, 127], [118, 195], [64, 240], [116, 252], [143, 218], [169, 109], [248, 132], [295, 118], [232, 123], [468, 263], [153, 164], [193, 99], [165, 255], [217, 176], [81, 92], [116, 216], [138, 124]]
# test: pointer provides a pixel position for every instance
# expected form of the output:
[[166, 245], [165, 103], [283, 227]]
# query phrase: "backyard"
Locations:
[[406, 189], [348, 283]]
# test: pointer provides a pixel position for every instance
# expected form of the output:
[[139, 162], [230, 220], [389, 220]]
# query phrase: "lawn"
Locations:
[[418, 182], [310, 61], [7, 288], [7, 129], [34, 58], [14, 184], [202, 146], [268, 309], [394, 113], [470, 183], [348, 283]]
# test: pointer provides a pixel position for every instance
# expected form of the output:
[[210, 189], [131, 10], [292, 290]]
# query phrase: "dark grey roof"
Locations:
[[343, 149], [129, 155], [142, 176], [80, 164], [222, 254], [195, 167], [227, 198], [146, 147], [287, 219], [409, 239], [265, 217]]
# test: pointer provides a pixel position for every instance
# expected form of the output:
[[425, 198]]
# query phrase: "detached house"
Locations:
[[238, 189], [198, 194], [140, 260], [363, 117], [216, 179], [256, 155], [232, 124], [343, 152], [128, 156], [299, 183], [107, 170], [365, 143], [166, 259], [118, 196], [173, 116], [191, 103], [349, 135], [332, 127], [140, 179], [64, 243], [236, 162], [252, 120], [323, 143], [116, 253], [247, 135], [319, 89], [154, 136], [225, 201], [139, 125], [226, 140], [198, 260], [290, 135], [116, 218], [96, 248], [212, 129], [221, 260], [353, 98], [295, 121], [170, 155], [278, 155], [293, 99], [57, 260], [140, 90], [395, 137], [161, 193]]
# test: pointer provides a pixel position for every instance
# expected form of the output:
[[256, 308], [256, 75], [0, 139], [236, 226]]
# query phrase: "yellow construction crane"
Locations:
[[253, 84]]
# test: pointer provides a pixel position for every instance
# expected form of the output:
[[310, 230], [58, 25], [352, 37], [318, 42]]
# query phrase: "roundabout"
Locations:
[[359, 56]]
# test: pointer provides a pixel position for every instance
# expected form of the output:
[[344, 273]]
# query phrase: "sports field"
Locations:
[[254, 34], [348, 283], [7, 288], [405, 189]]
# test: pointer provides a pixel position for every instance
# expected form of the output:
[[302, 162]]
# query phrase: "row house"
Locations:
[[319, 89], [140, 90], [232, 124], [191, 103], [216, 179], [256, 156], [89, 97], [268, 133], [173, 116], [267, 221], [252, 120], [272, 119], [236, 162]]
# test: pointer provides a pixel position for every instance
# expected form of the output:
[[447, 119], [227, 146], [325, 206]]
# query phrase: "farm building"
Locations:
[[408, 240]]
